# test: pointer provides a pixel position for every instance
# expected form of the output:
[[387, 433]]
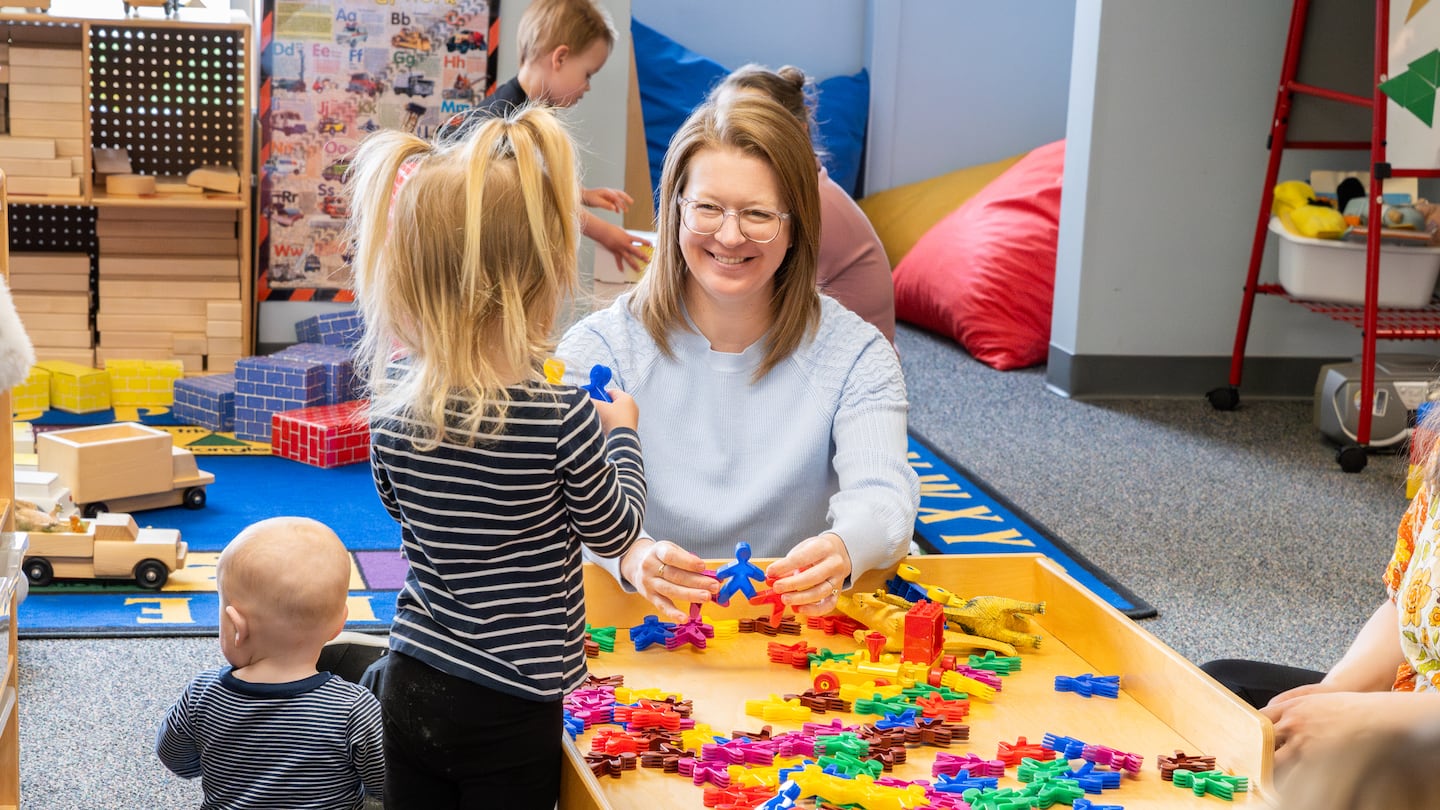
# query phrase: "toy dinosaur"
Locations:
[[994, 617], [878, 612]]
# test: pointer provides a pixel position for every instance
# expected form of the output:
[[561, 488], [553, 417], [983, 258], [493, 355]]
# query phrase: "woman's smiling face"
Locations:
[[725, 266]]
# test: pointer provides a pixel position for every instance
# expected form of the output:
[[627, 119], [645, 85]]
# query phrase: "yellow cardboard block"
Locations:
[[75, 388], [143, 382]]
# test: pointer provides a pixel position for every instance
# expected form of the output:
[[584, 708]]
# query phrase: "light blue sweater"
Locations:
[[818, 444]]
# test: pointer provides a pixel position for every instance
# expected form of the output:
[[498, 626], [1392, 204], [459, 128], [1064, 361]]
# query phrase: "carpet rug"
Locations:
[[958, 514]]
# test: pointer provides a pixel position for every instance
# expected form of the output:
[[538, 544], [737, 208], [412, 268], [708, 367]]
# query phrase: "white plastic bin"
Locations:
[[1334, 270]]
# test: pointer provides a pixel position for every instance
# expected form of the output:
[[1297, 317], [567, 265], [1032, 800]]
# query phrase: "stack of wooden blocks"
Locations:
[[169, 284], [52, 295], [43, 155]]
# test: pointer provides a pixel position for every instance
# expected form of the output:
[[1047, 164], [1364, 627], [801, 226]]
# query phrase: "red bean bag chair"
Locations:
[[985, 274]]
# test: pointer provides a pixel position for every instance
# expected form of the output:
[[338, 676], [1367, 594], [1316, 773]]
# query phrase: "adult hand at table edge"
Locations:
[[1319, 717], [667, 576], [812, 574]]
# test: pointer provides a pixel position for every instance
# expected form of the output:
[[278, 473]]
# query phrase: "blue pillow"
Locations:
[[674, 80], [844, 110]]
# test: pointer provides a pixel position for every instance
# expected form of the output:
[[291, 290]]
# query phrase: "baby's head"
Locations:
[[288, 579]]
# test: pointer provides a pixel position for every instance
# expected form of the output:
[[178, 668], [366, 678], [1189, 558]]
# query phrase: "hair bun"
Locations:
[[793, 75]]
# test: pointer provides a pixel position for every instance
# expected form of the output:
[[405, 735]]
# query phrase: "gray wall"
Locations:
[[1164, 162]]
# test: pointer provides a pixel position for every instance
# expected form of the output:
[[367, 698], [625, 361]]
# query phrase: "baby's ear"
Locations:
[[558, 56]]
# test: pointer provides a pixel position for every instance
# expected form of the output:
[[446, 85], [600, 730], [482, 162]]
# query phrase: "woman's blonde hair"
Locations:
[[461, 261], [760, 128]]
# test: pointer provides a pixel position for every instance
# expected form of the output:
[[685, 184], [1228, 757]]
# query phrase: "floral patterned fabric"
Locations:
[[1411, 579]]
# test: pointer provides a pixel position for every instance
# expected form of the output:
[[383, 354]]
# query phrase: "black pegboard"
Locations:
[[174, 98], [53, 229]]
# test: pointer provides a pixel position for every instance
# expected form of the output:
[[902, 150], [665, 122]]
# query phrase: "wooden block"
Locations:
[[222, 329], [69, 147], [46, 110], [31, 128], [61, 339], [55, 167], [57, 304], [62, 76], [148, 306], [225, 346], [102, 354], [77, 165], [141, 246], [183, 343], [223, 311], [167, 213], [107, 323], [221, 363], [47, 354], [50, 263], [30, 56], [31, 148], [135, 340], [130, 185], [47, 92], [49, 284], [175, 185], [168, 289], [55, 321], [218, 229], [199, 267], [216, 178], [44, 186]]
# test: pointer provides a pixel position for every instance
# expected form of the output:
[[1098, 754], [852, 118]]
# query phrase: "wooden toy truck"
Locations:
[[122, 467], [109, 546]]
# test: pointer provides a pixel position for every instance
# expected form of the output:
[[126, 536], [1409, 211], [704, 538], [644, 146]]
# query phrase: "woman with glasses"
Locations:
[[772, 415], [852, 266]]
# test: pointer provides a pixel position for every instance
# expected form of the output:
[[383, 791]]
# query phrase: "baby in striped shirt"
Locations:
[[269, 731]]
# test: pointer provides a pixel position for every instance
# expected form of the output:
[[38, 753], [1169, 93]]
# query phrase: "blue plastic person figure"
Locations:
[[737, 575], [599, 378]]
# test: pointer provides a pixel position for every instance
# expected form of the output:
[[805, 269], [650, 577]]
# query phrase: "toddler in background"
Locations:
[[269, 730]]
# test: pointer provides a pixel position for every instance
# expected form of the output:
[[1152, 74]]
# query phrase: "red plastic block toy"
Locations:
[[924, 633], [323, 436]]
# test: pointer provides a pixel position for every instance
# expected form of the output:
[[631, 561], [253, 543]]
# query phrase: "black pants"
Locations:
[[452, 743], [1256, 682]]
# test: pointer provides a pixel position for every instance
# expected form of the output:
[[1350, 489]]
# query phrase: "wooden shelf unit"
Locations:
[[175, 93], [10, 573]]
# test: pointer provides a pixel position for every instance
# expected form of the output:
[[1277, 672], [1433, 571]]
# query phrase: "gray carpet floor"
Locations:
[[1238, 527]]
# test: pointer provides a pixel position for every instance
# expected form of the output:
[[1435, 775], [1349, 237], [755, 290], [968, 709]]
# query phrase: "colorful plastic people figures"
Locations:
[[599, 378], [737, 575]]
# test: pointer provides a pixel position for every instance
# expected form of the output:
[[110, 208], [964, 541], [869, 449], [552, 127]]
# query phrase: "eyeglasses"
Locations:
[[704, 218]]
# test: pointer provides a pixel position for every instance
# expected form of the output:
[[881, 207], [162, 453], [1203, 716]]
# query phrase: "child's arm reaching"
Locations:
[[611, 199], [603, 477], [627, 249], [174, 744]]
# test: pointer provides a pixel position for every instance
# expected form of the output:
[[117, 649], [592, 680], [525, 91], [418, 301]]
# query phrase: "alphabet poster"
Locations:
[[332, 72]]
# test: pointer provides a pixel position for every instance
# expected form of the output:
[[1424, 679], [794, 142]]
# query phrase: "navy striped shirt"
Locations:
[[314, 743], [492, 527]]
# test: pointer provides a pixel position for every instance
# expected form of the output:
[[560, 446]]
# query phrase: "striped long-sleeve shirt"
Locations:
[[493, 529], [308, 744]]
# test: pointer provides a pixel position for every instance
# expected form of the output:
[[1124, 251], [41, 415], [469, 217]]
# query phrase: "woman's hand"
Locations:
[[668, 576], [811, 575], [1307, 717]]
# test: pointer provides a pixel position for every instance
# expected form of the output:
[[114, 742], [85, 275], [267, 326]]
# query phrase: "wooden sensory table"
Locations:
[[1165, 704]]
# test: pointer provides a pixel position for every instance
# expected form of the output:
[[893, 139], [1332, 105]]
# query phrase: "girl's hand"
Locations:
[[620, 411], [811, 575], [668, 576]]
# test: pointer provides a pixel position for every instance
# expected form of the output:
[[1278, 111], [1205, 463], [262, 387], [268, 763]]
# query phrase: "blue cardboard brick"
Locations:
[[265, 386], [341, 385], [330, 328], [207, 401]]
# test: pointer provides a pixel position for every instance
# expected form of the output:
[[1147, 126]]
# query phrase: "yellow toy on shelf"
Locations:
[[1297, 210]]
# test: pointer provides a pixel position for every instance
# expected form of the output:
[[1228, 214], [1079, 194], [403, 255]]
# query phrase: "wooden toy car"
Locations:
[[110, 546], [125, 466]]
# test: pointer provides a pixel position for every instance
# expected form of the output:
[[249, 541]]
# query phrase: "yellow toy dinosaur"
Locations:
[[993, 617], [880, 612]]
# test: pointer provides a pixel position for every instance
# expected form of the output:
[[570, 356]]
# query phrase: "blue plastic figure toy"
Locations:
[[737, 575], [599, 378]]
